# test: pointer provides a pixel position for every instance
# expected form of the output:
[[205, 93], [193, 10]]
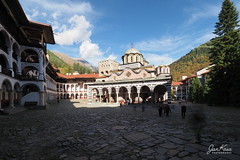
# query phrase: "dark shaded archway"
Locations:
[[158, 93], [29, 56], [6, 91], [145, 94], [28, 88], [4, 65], [134, 95], [95, 94], [123, 94], [113, 97], [105, 95], [4, 41]]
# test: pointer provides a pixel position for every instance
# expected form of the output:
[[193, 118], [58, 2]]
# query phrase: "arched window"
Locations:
[[4, 65], [30, 73], [15, 49], [29, 56], [3, 44]]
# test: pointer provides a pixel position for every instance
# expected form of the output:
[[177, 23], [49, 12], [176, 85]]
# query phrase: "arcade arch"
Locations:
[[29, 55], [159, 92], [6, 95], [145, 94]]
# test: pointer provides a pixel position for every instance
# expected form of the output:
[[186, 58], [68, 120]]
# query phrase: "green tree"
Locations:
[[225, 55], [196, 91]]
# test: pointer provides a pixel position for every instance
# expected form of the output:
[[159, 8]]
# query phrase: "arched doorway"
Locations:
[[123, 94], [113, 97], [4, 65], [4, 41], [134, 95], [95, 94], [6, 94], [85, 96], [76, 96], [145, 94], [105, 95], [15, 51], [159, 92], [28, 88]]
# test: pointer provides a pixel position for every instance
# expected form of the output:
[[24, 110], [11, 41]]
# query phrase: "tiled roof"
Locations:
[[176, 83], [79, 76]]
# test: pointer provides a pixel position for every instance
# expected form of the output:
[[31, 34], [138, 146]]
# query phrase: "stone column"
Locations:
[[117, 97], [100, 96], [129, 95], [41, 68], [11, 98], [42, 99], [10, 51], [0, 98], [19, 97], [138, 96], [19, 65]]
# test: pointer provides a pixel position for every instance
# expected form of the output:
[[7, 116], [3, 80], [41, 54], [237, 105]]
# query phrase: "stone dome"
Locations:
[[132, 50]]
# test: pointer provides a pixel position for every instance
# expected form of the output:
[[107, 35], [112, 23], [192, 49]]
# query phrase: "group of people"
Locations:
[[165, 109]]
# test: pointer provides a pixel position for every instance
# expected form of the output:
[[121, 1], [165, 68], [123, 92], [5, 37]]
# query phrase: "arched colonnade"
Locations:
[[144, 93]]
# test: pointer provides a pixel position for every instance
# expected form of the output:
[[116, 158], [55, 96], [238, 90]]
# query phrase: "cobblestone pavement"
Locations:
[[70, 131]]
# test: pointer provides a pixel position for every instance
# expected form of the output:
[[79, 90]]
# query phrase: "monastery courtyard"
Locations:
[[72, 131]]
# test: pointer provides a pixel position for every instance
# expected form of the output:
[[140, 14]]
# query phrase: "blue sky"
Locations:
[[163, 31]]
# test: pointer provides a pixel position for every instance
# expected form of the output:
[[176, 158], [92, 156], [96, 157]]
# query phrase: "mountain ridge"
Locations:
[[193, 61]]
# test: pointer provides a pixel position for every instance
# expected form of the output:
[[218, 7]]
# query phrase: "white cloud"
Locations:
[[78, 31], [161, 44], [112, 57], [204, 12], [34, 13], [159, 59], [55, 15], [204, 38], [89, 50], [63, 6]]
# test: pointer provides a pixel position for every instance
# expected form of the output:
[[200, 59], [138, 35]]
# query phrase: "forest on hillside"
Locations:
[[189, 64], [66, 68]]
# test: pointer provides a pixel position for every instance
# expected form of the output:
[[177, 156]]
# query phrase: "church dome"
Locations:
[[132, 50]]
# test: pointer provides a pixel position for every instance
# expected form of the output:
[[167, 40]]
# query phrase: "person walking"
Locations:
[[183, 110], [167, 108], [160, 107]]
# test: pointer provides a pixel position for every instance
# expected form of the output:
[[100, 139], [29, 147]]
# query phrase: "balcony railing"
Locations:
[[30, 77]]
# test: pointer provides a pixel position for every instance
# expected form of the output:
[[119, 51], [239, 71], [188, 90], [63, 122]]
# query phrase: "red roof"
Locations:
[[94, 75], [176, 83]]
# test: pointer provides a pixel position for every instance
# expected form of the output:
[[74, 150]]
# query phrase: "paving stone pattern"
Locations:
[[73, 131]]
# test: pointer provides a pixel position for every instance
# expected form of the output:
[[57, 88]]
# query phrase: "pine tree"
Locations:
[[225, 56]]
